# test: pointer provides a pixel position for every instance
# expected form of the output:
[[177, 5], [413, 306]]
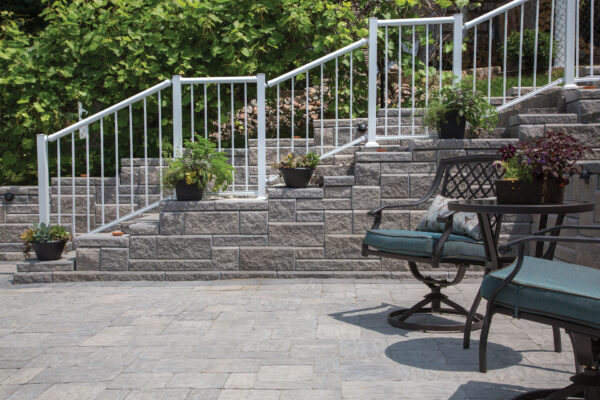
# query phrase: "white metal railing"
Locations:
[[585, 73]]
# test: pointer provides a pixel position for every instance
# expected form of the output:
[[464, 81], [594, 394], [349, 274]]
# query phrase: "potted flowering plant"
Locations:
[[297, 170], [48, 241], [199, 166], [537, 170]]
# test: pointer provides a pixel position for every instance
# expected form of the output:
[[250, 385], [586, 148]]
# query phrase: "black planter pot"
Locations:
[[296, 177], [518, 192], [185, 192], [553, 192], [451, 129], [48, 251]]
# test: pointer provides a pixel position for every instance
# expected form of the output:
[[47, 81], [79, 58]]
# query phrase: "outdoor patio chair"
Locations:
[[466, 177], [555, 293]]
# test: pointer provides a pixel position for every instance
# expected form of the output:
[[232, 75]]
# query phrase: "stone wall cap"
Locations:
[[101, 240], [282, 192]]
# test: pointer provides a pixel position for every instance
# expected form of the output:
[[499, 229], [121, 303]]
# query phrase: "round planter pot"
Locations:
[[510, 191], [553, 192], [296, 177], [451, 129], [185, 192], [48, 251]]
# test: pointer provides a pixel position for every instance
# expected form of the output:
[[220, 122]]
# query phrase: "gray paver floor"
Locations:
[[286, 340]]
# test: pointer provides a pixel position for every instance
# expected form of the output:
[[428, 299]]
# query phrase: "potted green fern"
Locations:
[[47, 241]]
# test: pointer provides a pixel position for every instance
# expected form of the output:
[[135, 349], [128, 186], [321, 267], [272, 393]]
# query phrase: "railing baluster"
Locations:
[[385, 90], [489, 75], [351, 95], [73, 182], [277, 123], [192, 110], [145, 154], [576, 40], [102, 168], [535, 46], [117, 164], [520, 48], [131, 157], [219, 115], [232, 137], [59, 185], [504, 60], [322, 133], [87, 180], [205, 114], [306, 112], [413, 81], [246, 133], [474, 58], [441, 58], [426, 71], [160, 166], [551, 42], [399, 80], [292, 100], [592, 38], [336, 102]]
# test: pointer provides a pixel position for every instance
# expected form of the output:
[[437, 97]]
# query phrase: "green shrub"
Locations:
[[543, 50]]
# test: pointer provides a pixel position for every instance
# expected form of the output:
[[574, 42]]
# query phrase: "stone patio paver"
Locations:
[[263, 340]]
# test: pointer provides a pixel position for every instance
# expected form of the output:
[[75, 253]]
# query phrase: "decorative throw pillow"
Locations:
[[465, 224]]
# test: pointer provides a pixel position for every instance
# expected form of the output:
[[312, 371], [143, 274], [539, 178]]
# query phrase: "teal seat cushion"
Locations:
[[421, 244], [553, 289]]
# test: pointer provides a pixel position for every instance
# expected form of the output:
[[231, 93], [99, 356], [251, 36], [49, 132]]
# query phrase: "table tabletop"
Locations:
[[491, 206]]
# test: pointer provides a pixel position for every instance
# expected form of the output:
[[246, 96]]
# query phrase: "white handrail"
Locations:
[[220, 79], [110, 110], [415, 21], [317, 62], [493, 13]]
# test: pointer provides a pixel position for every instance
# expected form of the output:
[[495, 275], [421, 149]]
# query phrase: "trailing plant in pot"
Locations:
[[47, 241], [537, 170], [297, 170], [200, 165], [457, 105]]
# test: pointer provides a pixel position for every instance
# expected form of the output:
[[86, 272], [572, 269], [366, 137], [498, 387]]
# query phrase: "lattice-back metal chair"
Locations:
[[467, 177]]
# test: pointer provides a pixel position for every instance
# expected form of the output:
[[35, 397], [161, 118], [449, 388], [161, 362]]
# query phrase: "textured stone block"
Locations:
[[365, 197], [310, 252], [142, 247], [240, 240], [293, 193], [343, 246], [392, 219], [241, 205], [88, 259], [420, 184], [338, 221], [375, 156], [394, 186], [181, 206], [424, 155], [338, 192], [143, 228], [183, 247], [282, 210], [102, 240], [266, 258], [114, 259], [225, 258], [309, 216], [253, 222], [301, 234], [172, 223], [170, 265], [325, 204], [212, 223], [367, 174], [339, 265], [343, 180]]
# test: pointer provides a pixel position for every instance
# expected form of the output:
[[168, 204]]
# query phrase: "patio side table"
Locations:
[[490, 213]]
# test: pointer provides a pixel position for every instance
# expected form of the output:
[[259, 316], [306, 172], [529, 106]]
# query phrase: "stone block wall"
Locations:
[[16, 215]]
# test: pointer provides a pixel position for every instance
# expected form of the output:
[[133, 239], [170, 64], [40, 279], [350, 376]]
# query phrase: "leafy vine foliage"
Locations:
[[99, 52]]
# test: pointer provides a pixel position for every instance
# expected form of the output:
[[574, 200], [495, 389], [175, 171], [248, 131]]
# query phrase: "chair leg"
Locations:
[[485, 329], [557, 341], [469, 323]]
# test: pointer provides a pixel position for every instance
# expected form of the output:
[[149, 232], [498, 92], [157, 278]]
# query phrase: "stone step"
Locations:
[[587, 133], [535, 119], [67, 263], [341, 180], [387, 156]]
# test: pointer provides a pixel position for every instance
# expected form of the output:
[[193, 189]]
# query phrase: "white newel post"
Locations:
[[261, 150], [457, 39], [177, 122], [372, 129], [43, 179], [570, 43]]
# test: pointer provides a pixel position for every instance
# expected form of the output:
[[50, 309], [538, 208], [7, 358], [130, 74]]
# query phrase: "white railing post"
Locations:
[[43, 179], [260, 127], [372, 129], [457, 39], [570, 43], [177, 122]]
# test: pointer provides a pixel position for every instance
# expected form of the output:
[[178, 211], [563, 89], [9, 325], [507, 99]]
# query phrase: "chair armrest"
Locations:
[[447, 217], [561, 227], [374, 212], [505, 248]]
